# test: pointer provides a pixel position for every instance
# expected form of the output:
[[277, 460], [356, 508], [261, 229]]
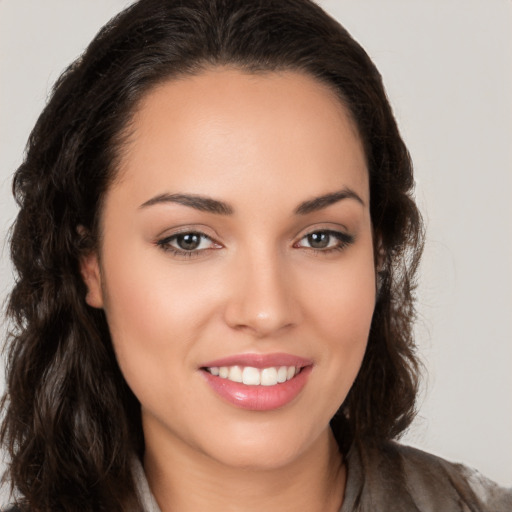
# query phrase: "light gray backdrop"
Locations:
[[447, 65]]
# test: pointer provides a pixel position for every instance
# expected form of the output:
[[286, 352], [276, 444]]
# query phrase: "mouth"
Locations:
[[256, 381], [251, 376]]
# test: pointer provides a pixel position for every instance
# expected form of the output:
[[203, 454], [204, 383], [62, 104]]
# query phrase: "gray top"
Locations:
[[398, 478]]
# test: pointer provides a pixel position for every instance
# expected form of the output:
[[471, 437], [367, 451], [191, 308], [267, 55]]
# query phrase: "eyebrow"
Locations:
[[318, 203], [204, 204], [210, 205]]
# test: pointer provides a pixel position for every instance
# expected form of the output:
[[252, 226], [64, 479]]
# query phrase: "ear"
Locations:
[[91, 274]]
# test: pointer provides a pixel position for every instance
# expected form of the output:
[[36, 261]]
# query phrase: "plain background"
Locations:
[[447, 66]]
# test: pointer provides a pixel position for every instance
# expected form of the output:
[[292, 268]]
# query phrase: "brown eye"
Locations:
[[187, 244], [325, 241], [319, 240], [188, 241]]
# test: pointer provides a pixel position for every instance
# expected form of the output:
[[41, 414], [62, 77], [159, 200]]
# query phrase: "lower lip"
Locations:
[[258, 398]]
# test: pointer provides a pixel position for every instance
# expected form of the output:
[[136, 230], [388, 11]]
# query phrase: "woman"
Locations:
[[216, 250]]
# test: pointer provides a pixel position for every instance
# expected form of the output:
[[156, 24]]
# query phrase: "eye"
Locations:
[[325, 240], [187, 244]]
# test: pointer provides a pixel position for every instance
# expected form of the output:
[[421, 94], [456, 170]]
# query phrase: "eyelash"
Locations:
[[165, 244], [343, 241]]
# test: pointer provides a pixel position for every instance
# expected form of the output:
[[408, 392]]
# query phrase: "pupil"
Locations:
[[189, 242], [319, 240]]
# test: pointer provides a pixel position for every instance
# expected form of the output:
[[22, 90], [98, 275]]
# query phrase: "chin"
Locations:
[[256, 459], [264, 448]]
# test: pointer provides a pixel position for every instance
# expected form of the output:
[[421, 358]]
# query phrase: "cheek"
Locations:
[[146, 299], [345, 331], [156, 315], [153, 329], [343, 297], [341, 312]]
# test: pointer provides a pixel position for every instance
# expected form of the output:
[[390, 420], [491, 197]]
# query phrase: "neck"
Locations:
[[185, 482]]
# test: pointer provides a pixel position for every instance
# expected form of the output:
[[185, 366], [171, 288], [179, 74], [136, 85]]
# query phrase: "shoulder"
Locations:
[[422, 482], [426, 471]]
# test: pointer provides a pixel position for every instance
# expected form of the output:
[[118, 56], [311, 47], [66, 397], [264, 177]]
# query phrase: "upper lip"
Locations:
[[260, 361]]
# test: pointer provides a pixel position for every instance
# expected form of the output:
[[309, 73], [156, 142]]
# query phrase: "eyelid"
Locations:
[[163, 242], [173, 237], [344, 239], [183, 229], [331, 227]]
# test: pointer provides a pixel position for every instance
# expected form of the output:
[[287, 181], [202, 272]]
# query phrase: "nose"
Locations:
[[261, 300]]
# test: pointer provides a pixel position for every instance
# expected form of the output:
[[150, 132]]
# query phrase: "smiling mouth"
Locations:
[[258, 382], [251, 376]]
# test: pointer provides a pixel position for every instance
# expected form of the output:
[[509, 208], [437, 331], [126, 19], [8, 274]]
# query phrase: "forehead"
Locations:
[[224, 130]]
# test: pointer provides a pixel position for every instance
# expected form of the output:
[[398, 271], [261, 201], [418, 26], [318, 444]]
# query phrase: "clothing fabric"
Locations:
[[398, 478]]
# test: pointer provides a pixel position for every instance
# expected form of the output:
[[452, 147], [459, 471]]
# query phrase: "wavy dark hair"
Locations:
[[71, 424]]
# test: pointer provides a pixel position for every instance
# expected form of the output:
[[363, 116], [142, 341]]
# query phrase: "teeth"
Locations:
[[254, 376], [235, 374], [268, 377], [282, 373], [251, 376]]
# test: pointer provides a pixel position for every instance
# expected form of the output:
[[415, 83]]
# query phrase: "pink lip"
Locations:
[[259, 398], [260, 361]]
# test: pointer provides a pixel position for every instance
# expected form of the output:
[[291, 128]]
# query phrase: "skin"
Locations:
[[263, 144]]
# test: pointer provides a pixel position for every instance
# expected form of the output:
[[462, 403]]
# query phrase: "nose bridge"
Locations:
[[262, 298]]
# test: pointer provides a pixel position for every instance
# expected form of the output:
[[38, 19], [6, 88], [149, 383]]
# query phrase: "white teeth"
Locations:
[[235, 374], [251, 376], [281, 374], [269, 377], [254, 376]]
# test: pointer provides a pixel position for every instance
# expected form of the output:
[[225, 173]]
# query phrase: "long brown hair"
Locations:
[[71, 424]]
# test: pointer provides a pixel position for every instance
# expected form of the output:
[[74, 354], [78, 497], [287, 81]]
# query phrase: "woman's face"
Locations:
[[237, 245]]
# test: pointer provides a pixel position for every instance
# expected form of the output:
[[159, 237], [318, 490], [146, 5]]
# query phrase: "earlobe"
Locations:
[[91, 274]]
